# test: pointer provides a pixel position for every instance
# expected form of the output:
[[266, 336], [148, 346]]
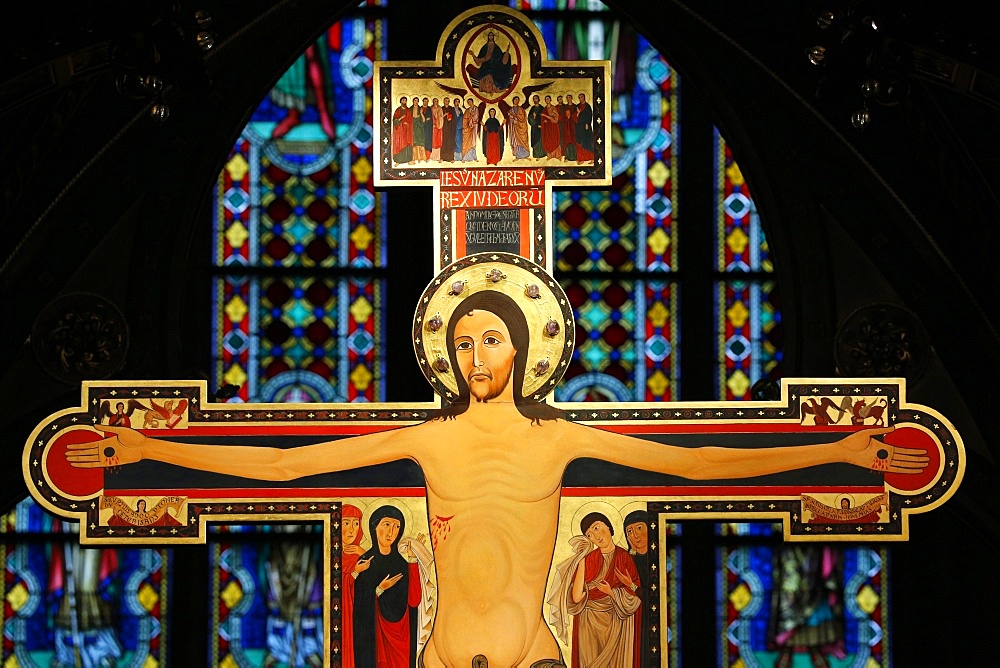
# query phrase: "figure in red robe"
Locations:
[[386, 595], [493, 139], [604, 602], [550, 129], [351, 535], [121, 416]]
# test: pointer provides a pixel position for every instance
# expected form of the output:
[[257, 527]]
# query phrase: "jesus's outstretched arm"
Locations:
[[127, 446], [722, 463]]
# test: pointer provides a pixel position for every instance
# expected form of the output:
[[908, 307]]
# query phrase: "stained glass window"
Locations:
[[67, 605], [783, 604], [748, 313], [299, 296], [619, 250], [300, 234], [616, 248], [268, 599]]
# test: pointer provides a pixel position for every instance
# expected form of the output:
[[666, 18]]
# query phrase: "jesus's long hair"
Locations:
[[507, 310]]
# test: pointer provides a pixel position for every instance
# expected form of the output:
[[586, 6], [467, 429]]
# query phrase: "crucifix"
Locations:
[[492, 510]]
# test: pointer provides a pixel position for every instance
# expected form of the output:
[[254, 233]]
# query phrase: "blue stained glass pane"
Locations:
[[269, 623], [794, 599], [60, 597]]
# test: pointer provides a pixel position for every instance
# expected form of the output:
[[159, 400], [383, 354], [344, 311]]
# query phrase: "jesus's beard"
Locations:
[[496, 384]]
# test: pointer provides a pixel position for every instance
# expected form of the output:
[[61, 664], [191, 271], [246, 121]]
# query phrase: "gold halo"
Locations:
[[849, 497], [361, 503], [614, 515], [398, 504], [630, 506], [537, 294]]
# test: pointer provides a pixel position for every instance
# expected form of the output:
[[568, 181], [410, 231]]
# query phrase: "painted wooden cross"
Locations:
[[493, 512]]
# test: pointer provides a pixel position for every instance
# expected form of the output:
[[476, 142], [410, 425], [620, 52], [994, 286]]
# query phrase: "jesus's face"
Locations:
[[485, 355]]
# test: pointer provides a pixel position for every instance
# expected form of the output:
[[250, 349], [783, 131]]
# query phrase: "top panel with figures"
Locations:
[[492, 99]]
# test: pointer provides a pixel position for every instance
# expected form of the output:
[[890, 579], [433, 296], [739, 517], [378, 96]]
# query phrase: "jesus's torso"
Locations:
[[493, 500]]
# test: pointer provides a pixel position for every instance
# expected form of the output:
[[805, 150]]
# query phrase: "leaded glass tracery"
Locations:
[[301, 233], [748, 312], [268, 598]]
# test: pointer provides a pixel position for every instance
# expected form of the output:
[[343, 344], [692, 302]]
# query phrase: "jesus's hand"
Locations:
[[862, 449], [124, 446]]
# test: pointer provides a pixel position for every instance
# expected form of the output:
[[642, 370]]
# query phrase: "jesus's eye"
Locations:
[[492, 341], [463, 345]]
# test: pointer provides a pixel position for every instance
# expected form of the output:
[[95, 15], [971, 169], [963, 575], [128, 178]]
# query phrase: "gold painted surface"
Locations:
[[524, 46]]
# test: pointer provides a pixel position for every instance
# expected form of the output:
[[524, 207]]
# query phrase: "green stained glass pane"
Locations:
[[593, 354], [298, 313], [299, 231]]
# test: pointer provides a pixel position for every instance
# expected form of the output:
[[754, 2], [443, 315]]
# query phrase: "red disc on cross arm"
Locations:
[[911, 437], [66, 478]]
